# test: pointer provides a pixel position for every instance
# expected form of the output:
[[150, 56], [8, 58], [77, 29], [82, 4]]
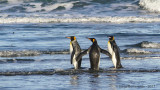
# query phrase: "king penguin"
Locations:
[[75, 50], [114, 51], [94, 54]]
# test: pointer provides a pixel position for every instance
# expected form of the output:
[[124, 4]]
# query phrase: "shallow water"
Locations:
[[34, 53]]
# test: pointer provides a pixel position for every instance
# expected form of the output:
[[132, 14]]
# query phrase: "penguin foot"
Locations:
[[92, 69], [82, 67]]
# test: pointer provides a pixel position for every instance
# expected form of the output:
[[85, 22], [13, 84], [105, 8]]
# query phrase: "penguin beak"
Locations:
[[68, 37], [89, 38], [92, 40]]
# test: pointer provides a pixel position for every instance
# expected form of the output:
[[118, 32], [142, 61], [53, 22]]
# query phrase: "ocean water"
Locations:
[[34, 53]]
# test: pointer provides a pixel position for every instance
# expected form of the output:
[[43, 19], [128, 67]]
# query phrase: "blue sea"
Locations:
[[34, 53]]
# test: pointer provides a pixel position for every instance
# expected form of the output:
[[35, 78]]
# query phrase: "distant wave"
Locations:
[[139, 58], [51, 5], [151, 5], [29, 53], [140, 50], [17, 61], [19, 53], [38, 6], [144, 44], [34, 6], [126, 34], [108, 19]]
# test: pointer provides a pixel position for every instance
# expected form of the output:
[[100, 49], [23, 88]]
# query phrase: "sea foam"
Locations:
[[12, 53], [48, 8], [15, 1], [19, 53], [151, 5], [108, 19], [137, 51]]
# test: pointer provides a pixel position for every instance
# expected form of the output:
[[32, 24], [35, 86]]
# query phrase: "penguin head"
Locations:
[[111, 38], [92, 39], [72, 38]]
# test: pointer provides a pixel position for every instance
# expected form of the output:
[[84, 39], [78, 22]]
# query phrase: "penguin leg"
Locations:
[[79, 63], [119, 65]]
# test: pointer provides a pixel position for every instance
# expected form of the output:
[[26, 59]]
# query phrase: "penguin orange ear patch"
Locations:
[[74, 38], [93, 40], [112, 38]]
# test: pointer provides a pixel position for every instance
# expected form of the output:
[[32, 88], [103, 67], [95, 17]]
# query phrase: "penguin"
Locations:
[[114, 50], [94, 54], [75, 50]]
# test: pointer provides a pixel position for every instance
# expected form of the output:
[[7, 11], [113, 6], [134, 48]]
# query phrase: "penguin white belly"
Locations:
[[71, 48], [75, 63], [110, 50], [114, 60]]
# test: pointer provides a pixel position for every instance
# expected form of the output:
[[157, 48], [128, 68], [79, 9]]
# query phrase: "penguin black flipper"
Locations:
[[105, 52], [72, 54], [82, 54], [115, 45]]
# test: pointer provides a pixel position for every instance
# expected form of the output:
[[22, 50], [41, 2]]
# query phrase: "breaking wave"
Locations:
[[146, 44], [151, 5], [150, 45], [137, 51], [109, 19]]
